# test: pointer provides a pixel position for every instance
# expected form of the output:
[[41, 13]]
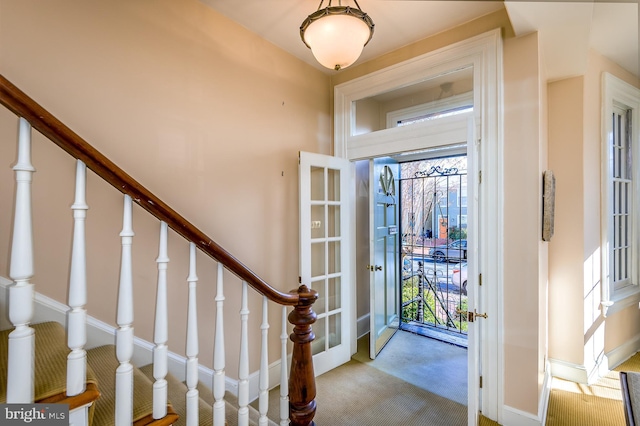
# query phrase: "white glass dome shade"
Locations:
[[336, 35]]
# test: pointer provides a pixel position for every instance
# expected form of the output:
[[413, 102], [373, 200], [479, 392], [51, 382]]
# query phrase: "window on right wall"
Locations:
[[620, 197]]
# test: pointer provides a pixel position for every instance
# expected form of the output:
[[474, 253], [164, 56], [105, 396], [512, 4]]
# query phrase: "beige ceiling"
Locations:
[[567, 29]]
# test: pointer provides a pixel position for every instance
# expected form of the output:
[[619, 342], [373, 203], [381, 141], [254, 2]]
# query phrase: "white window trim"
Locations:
[[616, 92], [462, 99]]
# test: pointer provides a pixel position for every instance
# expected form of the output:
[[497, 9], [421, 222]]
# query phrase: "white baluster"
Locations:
[[284, 377], [219, 355], [20, 369], [264, 366], [243, 370], [161, 333], [192, 343], [77, 315], [124, 334]]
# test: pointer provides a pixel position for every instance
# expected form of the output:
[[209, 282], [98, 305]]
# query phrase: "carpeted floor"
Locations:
[[574, 404], [432, 365], [364, 394], [379, 399]]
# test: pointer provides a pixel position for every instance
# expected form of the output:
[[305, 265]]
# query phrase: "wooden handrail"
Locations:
[[23, 106]]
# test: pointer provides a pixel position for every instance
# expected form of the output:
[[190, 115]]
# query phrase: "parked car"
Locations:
[[456, 250], [459, 276]]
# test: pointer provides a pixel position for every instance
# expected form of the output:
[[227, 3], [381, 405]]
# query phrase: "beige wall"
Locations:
[[579, 335], [207, 115], [524, 256], [565, 249]]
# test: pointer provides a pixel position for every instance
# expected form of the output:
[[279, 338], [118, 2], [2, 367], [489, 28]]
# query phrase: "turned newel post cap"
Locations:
[[306, 293]]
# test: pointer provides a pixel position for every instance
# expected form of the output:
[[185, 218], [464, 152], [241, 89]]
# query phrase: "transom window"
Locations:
[[454, 105]]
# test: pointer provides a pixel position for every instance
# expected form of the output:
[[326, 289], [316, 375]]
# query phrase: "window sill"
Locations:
[[621, 300]]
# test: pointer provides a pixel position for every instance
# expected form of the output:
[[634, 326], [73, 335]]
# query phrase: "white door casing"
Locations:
[[325, 247], [484, 54], [474, 365]]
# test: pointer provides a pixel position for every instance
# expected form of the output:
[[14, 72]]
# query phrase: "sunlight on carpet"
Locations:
[[599, 404]]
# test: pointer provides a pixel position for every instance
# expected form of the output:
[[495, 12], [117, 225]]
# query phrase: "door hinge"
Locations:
[[480, 176], [480, 279], [299, 280], [480, 382]]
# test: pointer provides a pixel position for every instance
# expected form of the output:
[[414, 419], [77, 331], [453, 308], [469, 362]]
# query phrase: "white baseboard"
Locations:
[[605, 363], [569, 371], [100, 333], [623, 352], [514, 417]]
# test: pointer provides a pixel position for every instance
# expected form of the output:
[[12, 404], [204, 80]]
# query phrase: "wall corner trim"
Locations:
[[543, 405]]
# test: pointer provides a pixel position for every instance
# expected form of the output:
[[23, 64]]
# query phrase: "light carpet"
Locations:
[[597, 405], [432, 365], [395, 388], [355, 394]]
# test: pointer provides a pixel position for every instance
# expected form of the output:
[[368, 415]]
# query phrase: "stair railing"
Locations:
[[301, 383]]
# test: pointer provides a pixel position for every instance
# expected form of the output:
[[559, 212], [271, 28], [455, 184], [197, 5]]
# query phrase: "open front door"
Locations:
[[384, 265], [324, 254]]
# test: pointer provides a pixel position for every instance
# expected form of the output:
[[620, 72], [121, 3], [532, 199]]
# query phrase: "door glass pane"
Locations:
[[317, 222], [318, 345], [319, 307], [317, 259], [334, 257], [317, 183], [333, 221], [333, 293], [335, 327], [333, 185]]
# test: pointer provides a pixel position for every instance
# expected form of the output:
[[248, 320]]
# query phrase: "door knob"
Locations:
[[373, 268], [471, 316], [378, 268]]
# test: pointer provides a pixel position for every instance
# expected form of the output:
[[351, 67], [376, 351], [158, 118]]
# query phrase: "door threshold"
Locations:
[[434, 333]]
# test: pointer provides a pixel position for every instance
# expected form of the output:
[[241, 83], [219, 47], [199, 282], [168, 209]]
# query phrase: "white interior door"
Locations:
[[384, 265], [325, 238]]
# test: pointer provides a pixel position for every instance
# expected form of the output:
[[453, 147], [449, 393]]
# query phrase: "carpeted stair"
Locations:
[[176, 395], [50, 368], [104, 363], [50, 384]]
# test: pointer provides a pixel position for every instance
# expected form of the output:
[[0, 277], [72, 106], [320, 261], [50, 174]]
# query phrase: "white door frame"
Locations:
[[484, 54]]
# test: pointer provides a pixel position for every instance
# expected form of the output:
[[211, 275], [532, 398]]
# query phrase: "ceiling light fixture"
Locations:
[[336, 35]]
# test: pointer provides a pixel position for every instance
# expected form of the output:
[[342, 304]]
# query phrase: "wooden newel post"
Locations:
[[302, 381]]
